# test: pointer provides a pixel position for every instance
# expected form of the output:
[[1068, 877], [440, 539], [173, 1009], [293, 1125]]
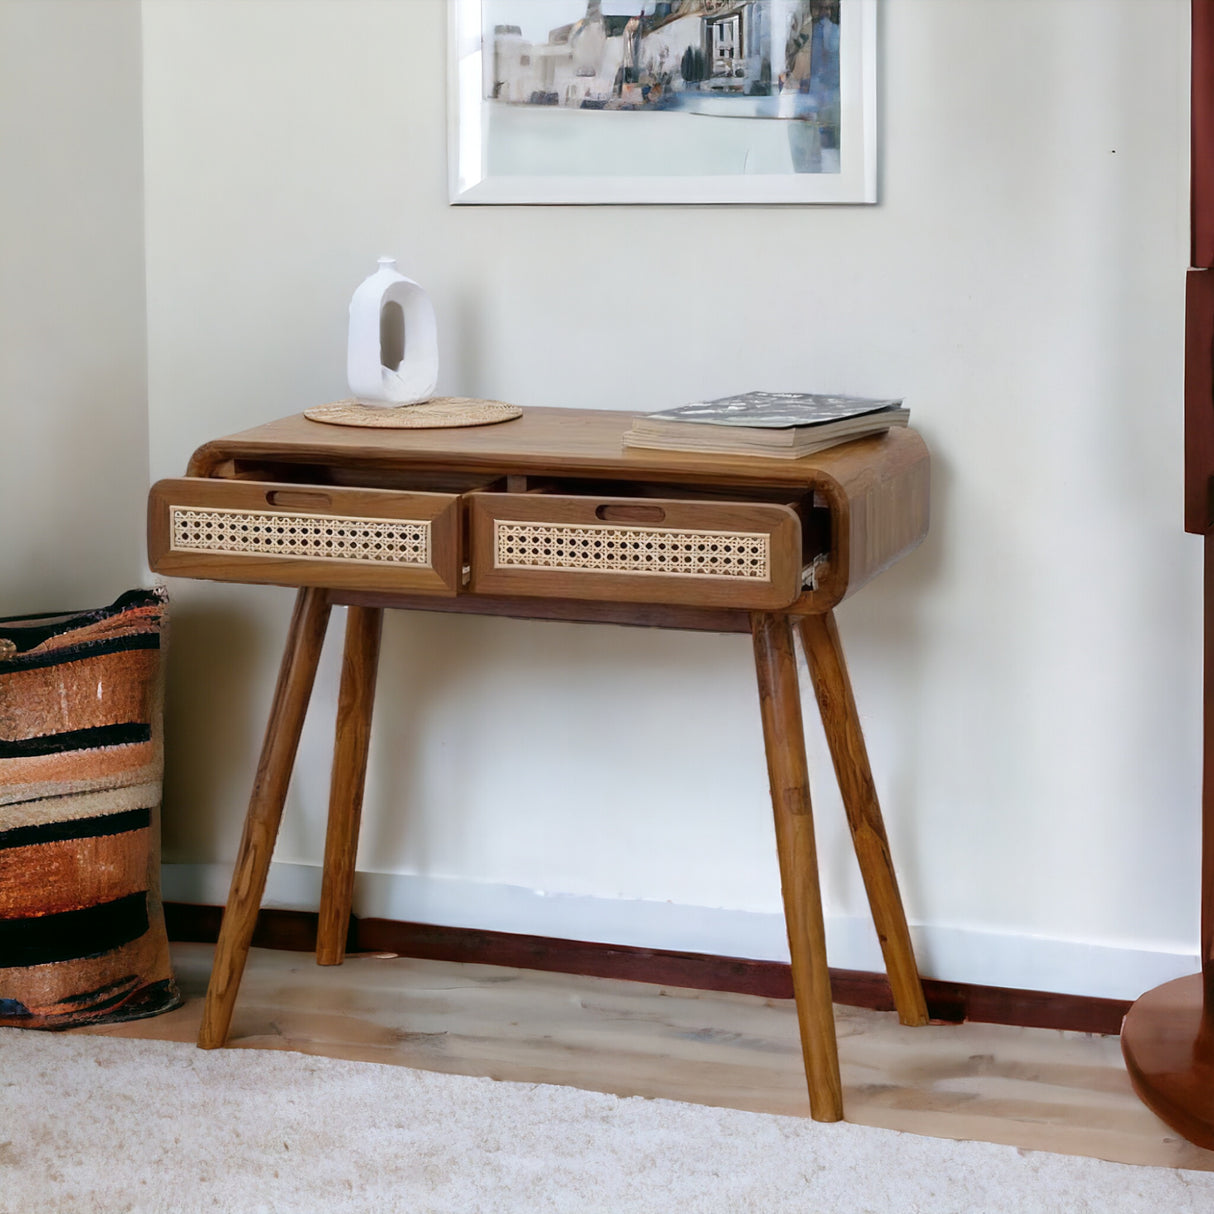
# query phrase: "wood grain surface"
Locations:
[[1034, 1089], [560, 442], [777, 522], [947, 1002], [355, 698], [442, 575], [1199, 400], [874, 489], [581, 611], [1201, 162], [1168, 1045], [784, 741], [305, 636]]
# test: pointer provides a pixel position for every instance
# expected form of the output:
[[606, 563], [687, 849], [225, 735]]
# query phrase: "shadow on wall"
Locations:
[[210, 717]]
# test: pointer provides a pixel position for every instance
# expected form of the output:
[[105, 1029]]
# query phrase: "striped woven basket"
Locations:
[[82, 936]]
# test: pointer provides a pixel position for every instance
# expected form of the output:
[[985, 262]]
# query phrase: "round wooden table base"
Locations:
[[1169, 1051]]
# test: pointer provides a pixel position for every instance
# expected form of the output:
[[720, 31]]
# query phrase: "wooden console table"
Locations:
[[551, 517]]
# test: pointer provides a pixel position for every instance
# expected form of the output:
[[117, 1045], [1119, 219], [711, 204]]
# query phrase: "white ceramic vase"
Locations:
[[392, 355]]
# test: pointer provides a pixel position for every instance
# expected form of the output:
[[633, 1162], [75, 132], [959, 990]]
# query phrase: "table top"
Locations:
[[875, 491], [587, 442]]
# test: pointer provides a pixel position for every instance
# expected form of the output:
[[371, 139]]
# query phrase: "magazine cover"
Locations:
[[773, 410]]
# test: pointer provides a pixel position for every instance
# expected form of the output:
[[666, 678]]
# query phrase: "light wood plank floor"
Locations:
[[1031, 1088]]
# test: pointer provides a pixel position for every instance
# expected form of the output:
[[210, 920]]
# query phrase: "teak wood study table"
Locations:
[[551, 517]]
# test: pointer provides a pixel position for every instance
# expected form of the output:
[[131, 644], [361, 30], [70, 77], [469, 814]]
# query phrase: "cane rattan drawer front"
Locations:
[[645, 550], [305, 535]]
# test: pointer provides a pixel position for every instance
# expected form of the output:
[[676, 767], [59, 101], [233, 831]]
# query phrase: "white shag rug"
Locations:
[[106, 1124]]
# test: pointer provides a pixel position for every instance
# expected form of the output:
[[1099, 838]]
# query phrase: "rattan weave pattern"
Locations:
[[633, 550], [311, 536]]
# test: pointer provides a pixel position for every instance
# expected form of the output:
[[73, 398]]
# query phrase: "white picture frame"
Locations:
[[547, 150]]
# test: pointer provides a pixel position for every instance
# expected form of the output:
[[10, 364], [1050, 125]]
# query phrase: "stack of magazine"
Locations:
[[782, 425]]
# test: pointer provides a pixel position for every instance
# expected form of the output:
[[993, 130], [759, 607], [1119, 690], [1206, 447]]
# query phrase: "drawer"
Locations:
[[305, 535], [696, 553]]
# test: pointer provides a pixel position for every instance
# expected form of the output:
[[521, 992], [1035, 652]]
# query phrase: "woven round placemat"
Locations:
[[442, 412]]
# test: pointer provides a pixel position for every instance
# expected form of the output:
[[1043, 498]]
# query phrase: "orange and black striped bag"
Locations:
[[82, 936]]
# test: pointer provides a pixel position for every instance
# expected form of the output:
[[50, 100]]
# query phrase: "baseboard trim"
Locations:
[[950, 1002]]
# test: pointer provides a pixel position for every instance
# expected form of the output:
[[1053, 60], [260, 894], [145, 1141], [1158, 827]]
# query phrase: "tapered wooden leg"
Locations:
[[784, 740], [837, 705], [291, 695], [354, 702]]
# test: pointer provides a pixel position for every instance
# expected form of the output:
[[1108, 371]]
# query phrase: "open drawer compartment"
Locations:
[[290, 534], [708, 553]]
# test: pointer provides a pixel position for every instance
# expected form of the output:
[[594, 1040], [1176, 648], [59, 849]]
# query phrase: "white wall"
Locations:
[[73, 395], [1028, 679]]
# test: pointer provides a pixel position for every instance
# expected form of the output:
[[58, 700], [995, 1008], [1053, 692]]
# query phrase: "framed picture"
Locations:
[[662, 101]]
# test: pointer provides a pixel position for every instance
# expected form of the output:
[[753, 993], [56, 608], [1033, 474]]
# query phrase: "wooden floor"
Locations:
[[1032, 1088]]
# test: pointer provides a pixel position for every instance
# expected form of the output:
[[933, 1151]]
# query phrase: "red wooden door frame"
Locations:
[[1199, 307]]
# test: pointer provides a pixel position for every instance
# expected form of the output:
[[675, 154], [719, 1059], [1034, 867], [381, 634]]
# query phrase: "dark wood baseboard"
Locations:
[[951, 1002]]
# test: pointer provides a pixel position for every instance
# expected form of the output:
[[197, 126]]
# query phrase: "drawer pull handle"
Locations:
[[298, 499], [630, 514]]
